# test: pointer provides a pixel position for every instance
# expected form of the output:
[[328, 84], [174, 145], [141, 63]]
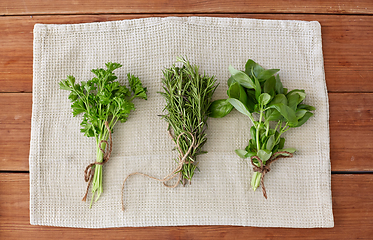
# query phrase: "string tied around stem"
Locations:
[[265, 168], [88, 172]]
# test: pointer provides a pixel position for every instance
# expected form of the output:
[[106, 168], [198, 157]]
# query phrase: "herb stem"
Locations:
[[278, 123], [257, 137], [267, 128], [258, 128]]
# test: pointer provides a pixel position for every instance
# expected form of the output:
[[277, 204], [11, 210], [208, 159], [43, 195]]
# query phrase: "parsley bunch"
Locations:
[[102, 100], [277, 110]]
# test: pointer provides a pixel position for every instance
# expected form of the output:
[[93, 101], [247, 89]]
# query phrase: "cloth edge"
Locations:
[[326, 193], [142, 22], [40, 29]]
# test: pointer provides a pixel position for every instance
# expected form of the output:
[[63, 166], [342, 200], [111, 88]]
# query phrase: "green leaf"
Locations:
[[253, 133], [281, 154], [269, 86], [231, 81], [70, 80], [264, 155], [295, 97], [251, 100], [281, 143], [270, 143], [250, 64], [241, 78], [279, 88], [300, 113], [220, 108], [250, 154], [252, 146], [239, 106], [257, 70], [136, 87], [252, 67], [112, 66], [241, 153], [87, 128], [295, 91], [279, 98], [272, 115], [258, 89], [64, 85], [73, 96], [104, 97], [78, 107], [304, 119], [238, 92], [87, 88], [293, 100], [122, 92], [302, 96], [286, 112], [264, 75], [262, 132], [290, 150], [275, 149], [264, 98], [307, 107]]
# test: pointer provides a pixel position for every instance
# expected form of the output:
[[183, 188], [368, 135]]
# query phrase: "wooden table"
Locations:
[[347, 31]]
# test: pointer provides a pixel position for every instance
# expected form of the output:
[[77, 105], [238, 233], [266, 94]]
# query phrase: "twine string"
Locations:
[[265, 168], [175, 173]]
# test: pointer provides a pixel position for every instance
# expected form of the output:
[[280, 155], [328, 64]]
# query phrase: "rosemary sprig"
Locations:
[[188, 97]]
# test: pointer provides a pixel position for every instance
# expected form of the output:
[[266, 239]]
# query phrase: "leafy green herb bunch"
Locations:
[[103, 101], [260, 91], [188, 96]]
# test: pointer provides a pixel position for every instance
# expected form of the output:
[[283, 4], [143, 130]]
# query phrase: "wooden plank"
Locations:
[[352, 207], [18, 7], [351, 131], [15, 130], [346, 44]]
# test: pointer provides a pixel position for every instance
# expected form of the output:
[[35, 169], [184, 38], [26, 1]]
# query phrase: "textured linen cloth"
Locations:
[[298, 188]]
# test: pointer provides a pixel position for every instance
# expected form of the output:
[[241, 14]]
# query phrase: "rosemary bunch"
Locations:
[[188, 97]]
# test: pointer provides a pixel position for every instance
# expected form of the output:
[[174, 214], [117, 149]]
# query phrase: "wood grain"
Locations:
[[26, 7], [15, 130], [347, 32], [351, 131], [352, 197], [347, 46]]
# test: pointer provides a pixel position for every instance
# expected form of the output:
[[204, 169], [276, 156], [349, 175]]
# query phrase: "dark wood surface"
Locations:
[[347, 32]]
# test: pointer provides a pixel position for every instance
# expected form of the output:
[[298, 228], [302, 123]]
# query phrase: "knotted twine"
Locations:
[[88, 172], [175, 173], [264, 168]]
